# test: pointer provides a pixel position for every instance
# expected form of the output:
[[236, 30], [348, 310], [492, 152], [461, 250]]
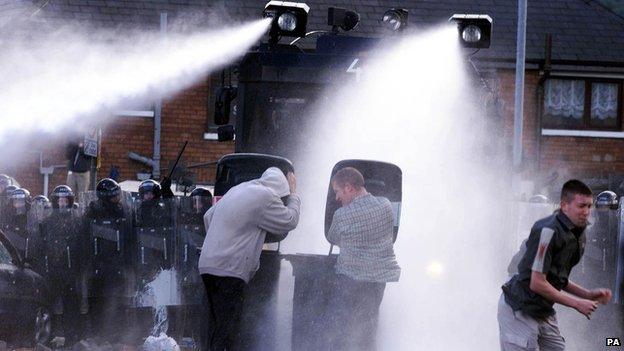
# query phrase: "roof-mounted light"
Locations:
[[395, 19], [289, 19], [342, 18], [475, 31]]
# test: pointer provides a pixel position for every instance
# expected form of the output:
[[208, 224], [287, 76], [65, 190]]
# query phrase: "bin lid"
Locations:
[[380, 179], [233, 169]]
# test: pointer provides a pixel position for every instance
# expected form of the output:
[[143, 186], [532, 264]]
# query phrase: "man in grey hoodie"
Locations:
[[235, 230]]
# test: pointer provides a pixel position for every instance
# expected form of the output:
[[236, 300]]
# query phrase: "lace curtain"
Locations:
[[564, 98], [604, 100]]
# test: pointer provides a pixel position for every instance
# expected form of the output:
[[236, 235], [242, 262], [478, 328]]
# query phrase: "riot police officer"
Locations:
[[109, 256], [192, 232], [40, 203], [151, 210], [40, 209], [4, 203], [63, 248], [108, 204], [5, 181], [19, 205], [195, 206], [155, 244], [16, 226]]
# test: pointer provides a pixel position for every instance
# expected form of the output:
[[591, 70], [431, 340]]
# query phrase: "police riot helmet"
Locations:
[[107, 189], [41, 200], [9, 190], [65, 192], [20, 200], [607, 199], [202, 198], [199, 191], [40, 206], [148, 186]]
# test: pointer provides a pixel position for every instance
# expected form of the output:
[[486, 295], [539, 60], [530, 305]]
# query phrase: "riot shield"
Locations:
[[23, 232], [64, 252], [4, 202], [192, 209], [618, 293], [380, 179], [191, 233], [191, 240], [110, 278], [598, 263], [110, 243], [155, 245], [19, 238], [35, 254]]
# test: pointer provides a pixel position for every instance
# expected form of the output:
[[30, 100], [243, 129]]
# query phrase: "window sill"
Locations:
[[134, 113], [583, 133], [213, 136]]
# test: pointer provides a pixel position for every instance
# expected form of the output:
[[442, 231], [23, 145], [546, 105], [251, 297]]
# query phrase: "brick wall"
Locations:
[[183, 118]]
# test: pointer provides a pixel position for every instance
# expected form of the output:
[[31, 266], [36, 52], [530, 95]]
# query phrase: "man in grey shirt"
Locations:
[[235, 230], [363, 229]]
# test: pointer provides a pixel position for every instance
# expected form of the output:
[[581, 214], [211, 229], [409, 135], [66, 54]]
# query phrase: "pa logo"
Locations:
[[613, 342]]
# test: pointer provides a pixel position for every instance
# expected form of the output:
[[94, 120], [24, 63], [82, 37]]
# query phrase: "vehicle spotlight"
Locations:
[[607, 199], [341, 18], [289, 19], [395, 19], [475, 31]]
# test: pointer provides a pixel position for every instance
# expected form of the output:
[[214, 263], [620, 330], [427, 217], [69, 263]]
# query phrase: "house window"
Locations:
[[582, 104]]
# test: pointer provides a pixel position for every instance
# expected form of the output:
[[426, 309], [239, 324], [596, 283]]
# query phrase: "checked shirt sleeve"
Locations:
[[337, 228]]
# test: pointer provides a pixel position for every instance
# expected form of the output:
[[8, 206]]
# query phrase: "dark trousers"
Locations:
[[353, 313], [225, 305]]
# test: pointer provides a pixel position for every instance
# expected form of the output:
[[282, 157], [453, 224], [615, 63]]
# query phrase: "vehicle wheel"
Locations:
[[43, 326]]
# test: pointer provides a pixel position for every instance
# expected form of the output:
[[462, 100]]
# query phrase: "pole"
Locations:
[[519, 93], [177, 159], [158, 110]]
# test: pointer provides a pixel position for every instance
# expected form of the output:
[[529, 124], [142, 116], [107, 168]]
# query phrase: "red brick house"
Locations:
[[573, 86]]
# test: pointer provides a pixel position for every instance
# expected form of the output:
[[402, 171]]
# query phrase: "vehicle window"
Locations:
[[5, 256]]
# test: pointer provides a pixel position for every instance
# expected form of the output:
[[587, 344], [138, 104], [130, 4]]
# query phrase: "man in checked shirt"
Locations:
[[363, 229]]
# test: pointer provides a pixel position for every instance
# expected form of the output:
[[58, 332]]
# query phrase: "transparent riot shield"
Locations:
[[109, 247], [618, 293], [192, 209], [156, 243], [39, 211], [110, 242], [4, 202], [598, 263], [35, 252], [191, 233], [191, 238], [64, 252], [22, 230]]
